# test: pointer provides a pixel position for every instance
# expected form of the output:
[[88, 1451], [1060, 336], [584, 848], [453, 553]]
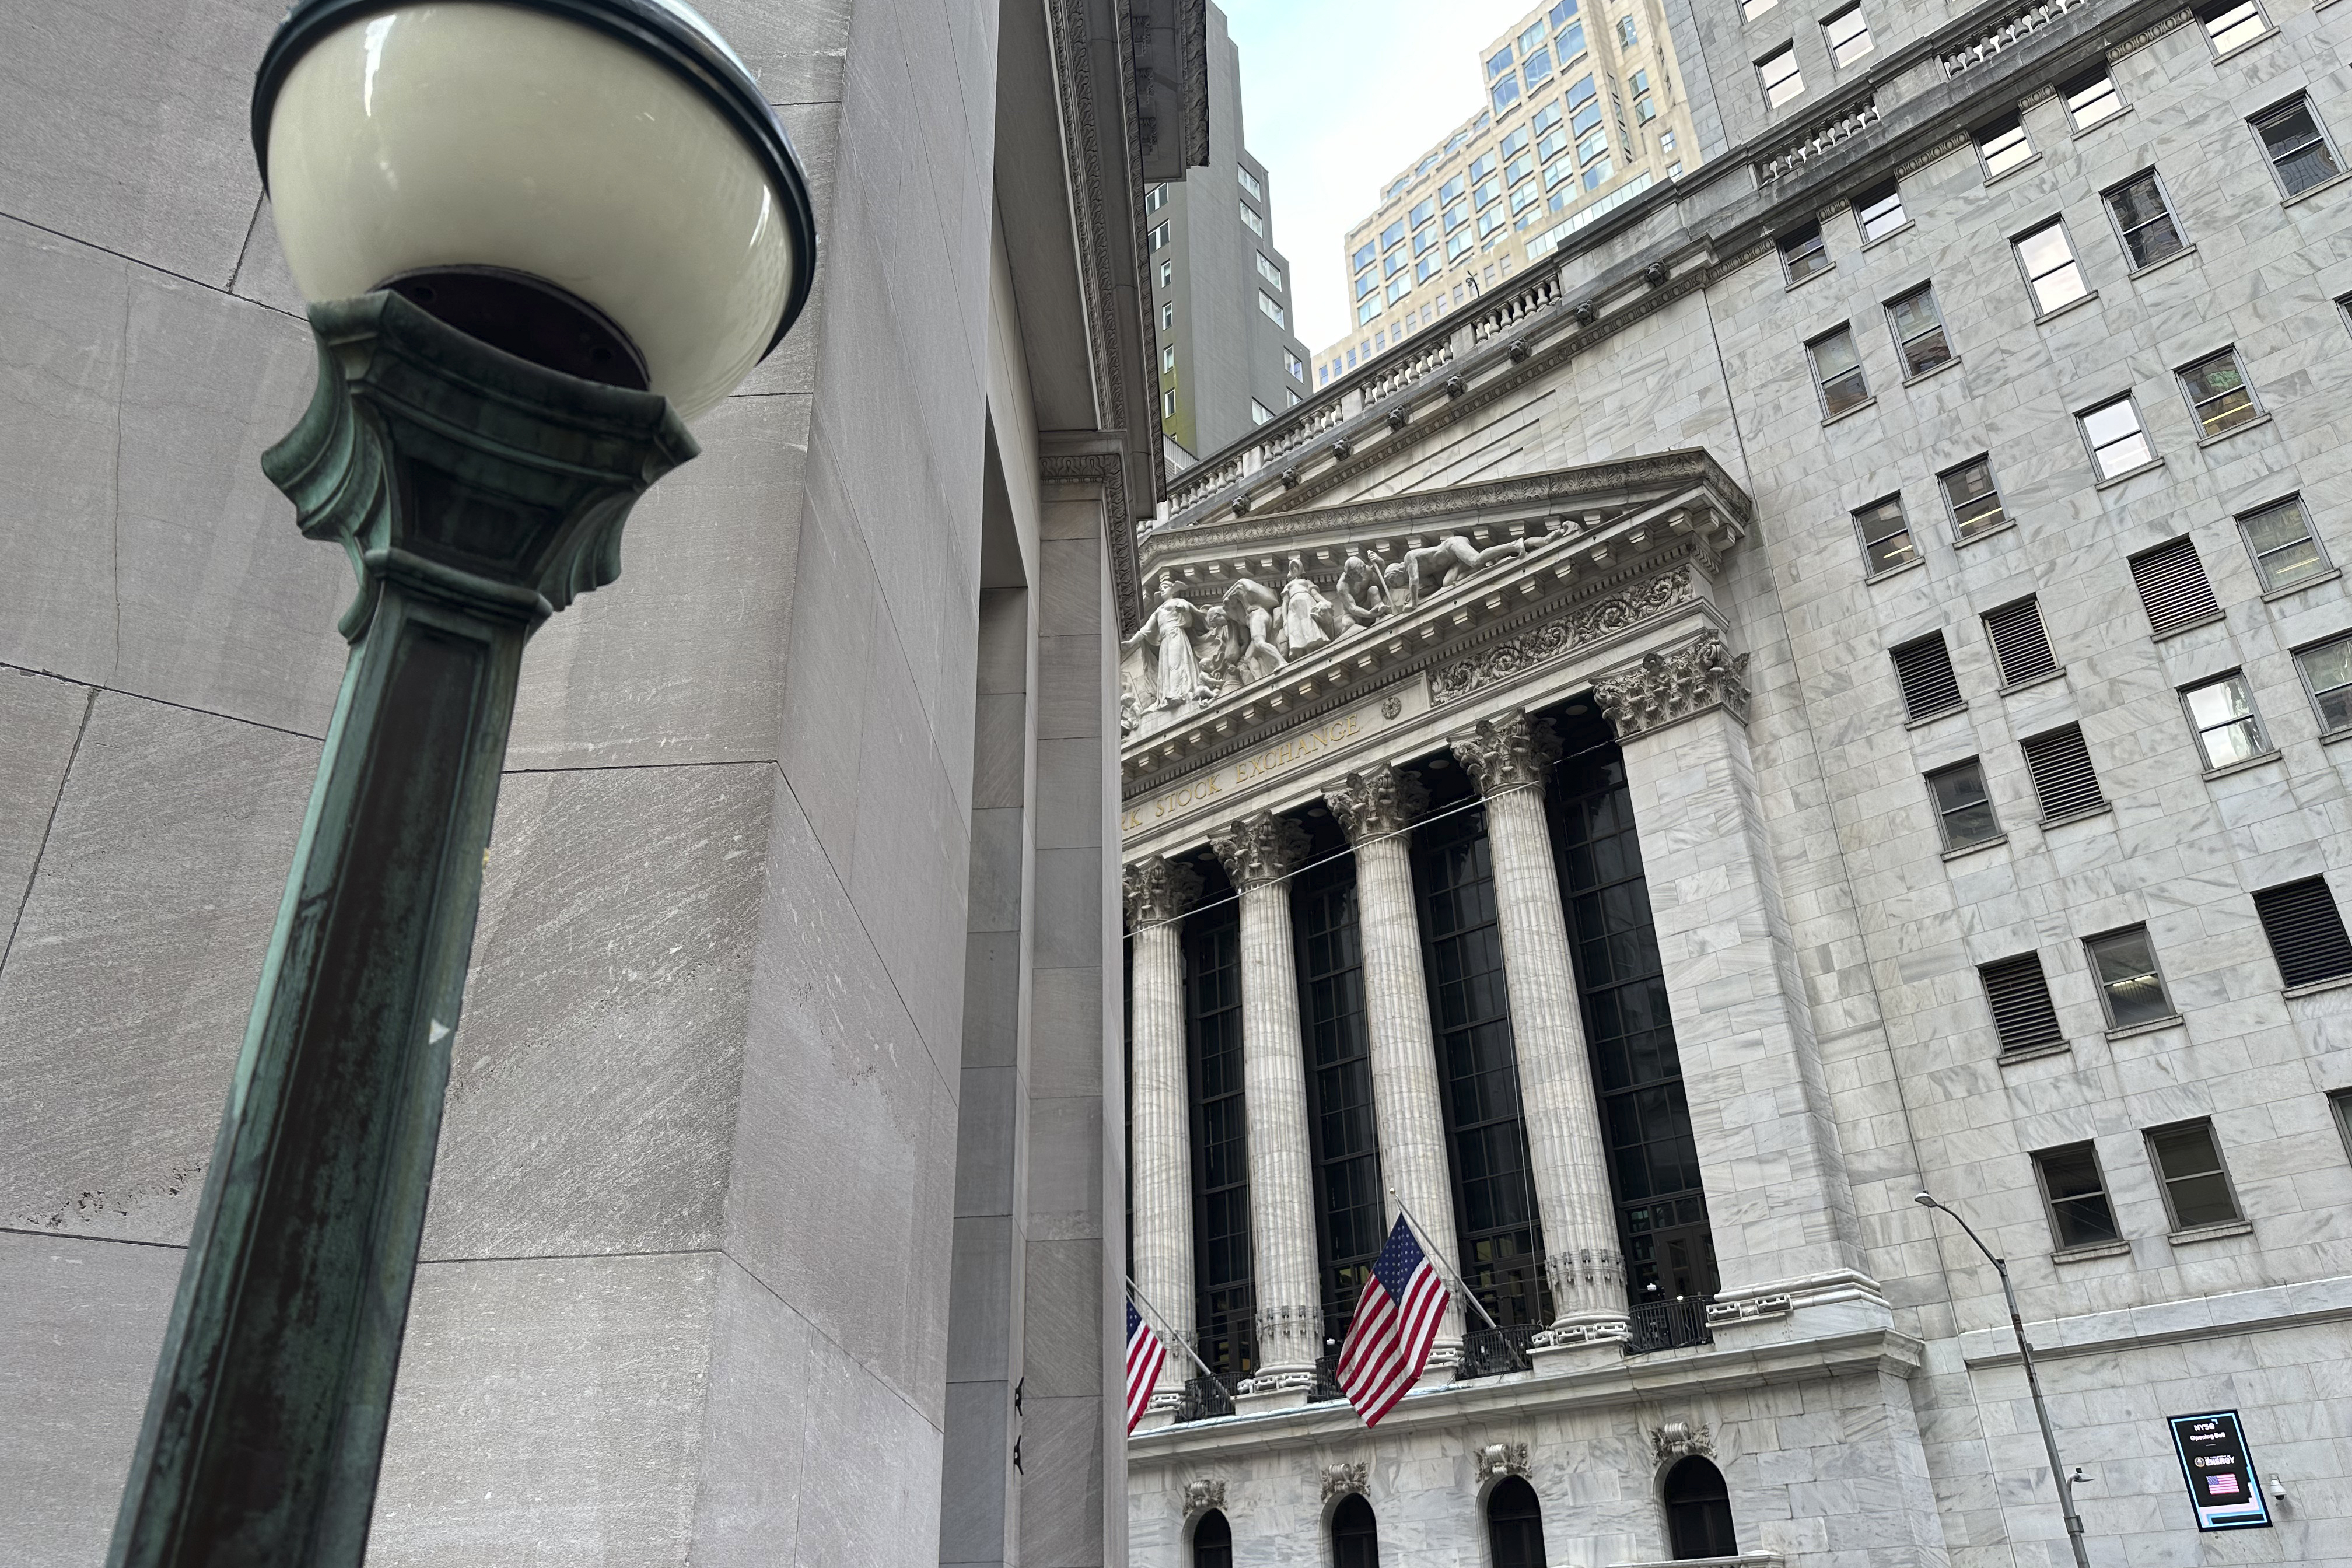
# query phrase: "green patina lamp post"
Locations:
[[537, 236]]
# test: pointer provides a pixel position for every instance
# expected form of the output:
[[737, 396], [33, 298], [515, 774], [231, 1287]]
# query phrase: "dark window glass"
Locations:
[[2286, 550], [2229, 22], [1923, 670], [1886, 537], [2019, 996], [2173, 588], [1698, 1511], [2091, 98], [2217, 392], [1963, 807], [1918, 329], [2004, 146], [1837, 369], [1355, 1534], [2306, 932], [2188, 1164], [2124, 962], [1225, 1306], [2150, 233], [1972, 497], [1349, 1209], [2063, 779], [2020, 646], [1879, 213], [2328, 674], [1802, 254], [2298, 149], [1515, 1525], [2076, 1196], [1462, 952], [1213, 1542]]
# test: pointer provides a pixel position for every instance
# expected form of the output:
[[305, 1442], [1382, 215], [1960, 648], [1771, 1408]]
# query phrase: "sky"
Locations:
[[1340, 96]]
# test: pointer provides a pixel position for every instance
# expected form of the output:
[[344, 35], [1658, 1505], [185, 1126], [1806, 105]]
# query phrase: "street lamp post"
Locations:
[[2033, 1384], [536, 235]]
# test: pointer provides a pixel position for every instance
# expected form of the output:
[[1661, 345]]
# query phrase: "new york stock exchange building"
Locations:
[[1654, 774]]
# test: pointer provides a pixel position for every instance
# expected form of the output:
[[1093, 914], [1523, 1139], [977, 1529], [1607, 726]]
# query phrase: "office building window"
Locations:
[[2327, 670], [1600, 175], [1168, 316], [1296, 367], [1919, 329], [1848, 35], [1879, 213], [1536, 69], [1556, 171], [2306, 932], [1458, 247], [2297, 146], [1268, 270], [2144, 220], [1251, 183], [1592, 146], [1155, 198], [1367, 309], [1751, 9], [1972, 499], [1802, 254], [2286, 551], [1837, 372], [1323, 376], [2091, 98], [1259, 412], [1778, 73], [2118, 442], [1167, 359], [1456, 216], [1499, 63], [2217, 392], [1885, 535], [1159, 238], [2221, 715], [2004, 145], [1924, 671], [1666, 141], [1569, 45], [1294, 397], [2173, 587], [1399, 286], [1963, 809], [1363, 257], [1251, 221], [2074, 1196], [1545, 119], [1271, 308], [2229, 24], [1506, 93], [1224, 1301], [1339, 1085], [2020, 645], [1168, 405], [2047, 258], [2064, 782], [2189, 1168], [1627, 34], [1487, 192], [1167, 273], [1424, 239], [2019, 994]]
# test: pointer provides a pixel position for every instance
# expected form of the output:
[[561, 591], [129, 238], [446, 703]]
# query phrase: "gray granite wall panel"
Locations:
[[43, 717], [756, 1426]]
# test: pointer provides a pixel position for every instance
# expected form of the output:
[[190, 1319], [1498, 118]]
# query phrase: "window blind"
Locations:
[[2173, 588], [2064, 780], [2021, 1012], [2306, 932]]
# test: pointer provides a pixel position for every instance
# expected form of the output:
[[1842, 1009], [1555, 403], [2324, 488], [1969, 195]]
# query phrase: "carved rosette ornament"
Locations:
[[1157, 890], [1680, 1440], [1375, 802], [1199, 1497], [1497, 1460], [1508, 751], [1339, 1480], [1259, 849], [1669, 686]]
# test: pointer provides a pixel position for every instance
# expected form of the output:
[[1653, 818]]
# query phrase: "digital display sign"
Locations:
[[2222, 1487]]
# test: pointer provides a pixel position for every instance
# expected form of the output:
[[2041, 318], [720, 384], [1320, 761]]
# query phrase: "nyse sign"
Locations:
[[1244, 773]]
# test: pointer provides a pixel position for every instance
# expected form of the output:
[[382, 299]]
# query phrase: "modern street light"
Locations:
[[2064, 1483], [536, 235]]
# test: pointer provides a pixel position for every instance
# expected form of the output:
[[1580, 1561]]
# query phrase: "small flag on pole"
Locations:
[[1145, 1356], [1396, 1322]]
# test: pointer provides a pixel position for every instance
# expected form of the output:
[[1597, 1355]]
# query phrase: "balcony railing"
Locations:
[[1669, 1325], [1490, 1352], [1205, 1398], [2011, 30]]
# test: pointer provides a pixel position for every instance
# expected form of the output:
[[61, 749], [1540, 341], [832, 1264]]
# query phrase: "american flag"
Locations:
[[1145, 1356], [1396, 1322]]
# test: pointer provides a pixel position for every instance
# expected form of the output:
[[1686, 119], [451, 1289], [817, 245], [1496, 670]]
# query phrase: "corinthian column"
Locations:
[[1258, 852], [1376, 805], [1508, 757], [1159, 891]]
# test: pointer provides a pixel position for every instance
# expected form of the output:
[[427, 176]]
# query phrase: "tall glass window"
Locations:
[[1347, 1206], [1224, 1304], [1494, 1201]]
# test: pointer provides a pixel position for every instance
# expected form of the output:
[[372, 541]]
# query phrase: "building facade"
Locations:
[[1833, 686], [1230, 357]]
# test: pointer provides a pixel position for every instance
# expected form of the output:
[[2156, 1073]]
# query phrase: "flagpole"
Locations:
[[1431, 1252], [1160, 1323]]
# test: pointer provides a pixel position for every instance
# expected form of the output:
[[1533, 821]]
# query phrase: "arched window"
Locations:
[[1698, 1511], [1355, 1537], [1515, 1525], [1213, 1542]]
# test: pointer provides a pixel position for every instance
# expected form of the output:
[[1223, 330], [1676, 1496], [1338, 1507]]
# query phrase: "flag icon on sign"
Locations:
[[1396, 1322], [1145, 1356]]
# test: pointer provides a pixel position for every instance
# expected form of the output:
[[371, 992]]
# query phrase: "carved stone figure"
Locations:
[[1361, 595], [1679, 1439], [1448, 562], [1249, 629], [1199, 1497], [1339, 1480], [1168, 632], [1212, 651], [1306, 614], [1497, 1460]]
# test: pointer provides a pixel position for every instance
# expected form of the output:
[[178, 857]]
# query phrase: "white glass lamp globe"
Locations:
[[594, 185]]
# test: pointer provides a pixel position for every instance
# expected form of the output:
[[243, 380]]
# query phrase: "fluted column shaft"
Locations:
[[1377, 806], [1159, 891], [1509, 757], [1259, 852]]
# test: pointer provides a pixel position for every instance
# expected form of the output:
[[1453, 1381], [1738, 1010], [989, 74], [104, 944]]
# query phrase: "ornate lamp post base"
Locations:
[[476, 494]]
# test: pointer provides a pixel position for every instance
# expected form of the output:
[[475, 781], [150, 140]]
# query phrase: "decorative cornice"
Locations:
[[1376, 801], [1673, 684], [1157, 890], [1260, 849], [1565, 634], [1108, 471], [1340, 1480], [1508, 751]]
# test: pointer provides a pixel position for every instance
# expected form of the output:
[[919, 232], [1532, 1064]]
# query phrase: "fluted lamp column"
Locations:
[[1259, 853], [1159, 891], [1508, 757], [1378, 806]]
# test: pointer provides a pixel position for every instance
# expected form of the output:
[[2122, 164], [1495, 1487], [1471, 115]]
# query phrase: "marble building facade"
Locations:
[[1603, 699]]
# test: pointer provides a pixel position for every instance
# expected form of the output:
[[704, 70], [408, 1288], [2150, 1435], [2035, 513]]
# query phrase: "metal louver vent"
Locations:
[[2307, 932], [2021, 1014], [2063, 778], [2173, 587], [2019, 644], [1925, 669]]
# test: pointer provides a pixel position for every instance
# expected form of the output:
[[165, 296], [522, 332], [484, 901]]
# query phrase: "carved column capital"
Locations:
[[1673, 684], [1509, 750], [1375, 801], [1259, 849], [1159, 889]]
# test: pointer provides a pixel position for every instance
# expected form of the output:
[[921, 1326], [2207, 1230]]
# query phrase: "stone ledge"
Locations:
[[2211, 1232], [2272, 1307], [1744, 1559]]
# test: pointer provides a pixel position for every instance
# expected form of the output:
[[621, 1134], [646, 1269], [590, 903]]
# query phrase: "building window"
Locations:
[[2222, 713], [1213, 1542], [1600, 175], [1271, 308], [1167, 406], [2144, 220], [2233, 24], [1515, 1537], [1919, 329], [1168, 316], [2328, 675], [1167, 273], [2075, 1197], [1251, 183], [2117, 443], [1168, 360], [1778, 71], [1837, 372], [1259, 412], [1848, 35], [2091, 98], [2306, 931], [1251, 221], [1972, 499], [2020, 646], [2297, 147], [2130, 987], [1367, 309], [1924, 671], [2217, 392], [2286, 548], [2173, 587], [1879, 213], [1885, 536], [1294, 365], [1225, 1301], [2004, 145], [1506, 93], [1155, 198], [1963, 809], [1355, 1534], [2064, 780], [1268, 270], [2019, 994], [2189, 1168], [1348, 1207], [2047, 259], [1399, 286], [1456, 216], [1363, 257], [1294, 397], [1802, 254], [1751, 9], [1159, 238], [1627, 34], [2340, 1102]]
